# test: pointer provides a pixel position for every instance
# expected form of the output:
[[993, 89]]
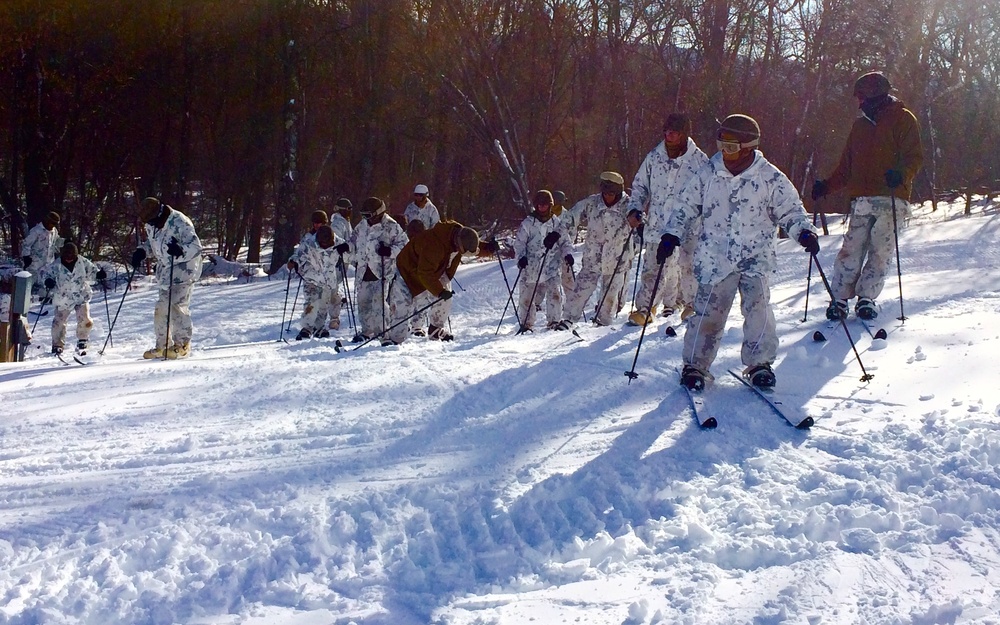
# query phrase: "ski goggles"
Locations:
[[728, 146]]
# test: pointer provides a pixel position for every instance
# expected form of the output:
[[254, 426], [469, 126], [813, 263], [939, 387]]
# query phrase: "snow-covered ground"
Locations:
[[516, 479]]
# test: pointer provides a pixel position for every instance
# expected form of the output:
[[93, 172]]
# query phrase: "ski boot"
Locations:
[[81, 347], [322, 333], [155, 352], [438, 334], [181, 350], [57, 349], [563, 325], [304, 333], [837, 310], [761, 376], [866, 309], [692, 378], [639, 318]]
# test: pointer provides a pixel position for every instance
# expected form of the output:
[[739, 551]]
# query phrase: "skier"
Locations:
[[424, 267], [607, 252], [319, 264], [662, 174], [173, 242], [741, 197], [308, 241], [538, 237], [68, 280], [877, 165], [42, 244], [377, 241], [421, 208]]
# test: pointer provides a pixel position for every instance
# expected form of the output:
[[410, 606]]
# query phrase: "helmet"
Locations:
[[421, 189], [872, 85]]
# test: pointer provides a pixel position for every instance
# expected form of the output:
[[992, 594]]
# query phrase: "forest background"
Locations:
[[249, 114]]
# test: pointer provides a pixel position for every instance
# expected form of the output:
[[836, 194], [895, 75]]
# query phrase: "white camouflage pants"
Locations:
[[84, 324], [667, 291], [372, 307], [609, 298], [712, 304], [868, 248], [322, 301], [402, 305], [550, 292], [178, 300]]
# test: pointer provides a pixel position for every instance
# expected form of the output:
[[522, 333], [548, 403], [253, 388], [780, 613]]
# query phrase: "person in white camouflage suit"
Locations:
[[540, 237], [607, 252], [68, 280], [741, 198], [42, 244], [172, 241], [317, 220], [376, 243], [662, 174], [422, 208], [319, 262]]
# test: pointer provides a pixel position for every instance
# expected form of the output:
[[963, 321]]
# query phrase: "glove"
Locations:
[[668, 243], [102, 275], [138, 256], [292, 265], [174, 249], [893, 178], [50, 283], [522, 263], [26, 261], [490, 247], [446, 294], [550, 240], [809, 241], [343, 248], [569, 259], [382, 249], [820, 188]]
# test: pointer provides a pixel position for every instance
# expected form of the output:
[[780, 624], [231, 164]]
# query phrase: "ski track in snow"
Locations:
[[513, 479]]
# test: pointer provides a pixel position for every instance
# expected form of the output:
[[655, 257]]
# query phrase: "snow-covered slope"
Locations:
[[516, 479]]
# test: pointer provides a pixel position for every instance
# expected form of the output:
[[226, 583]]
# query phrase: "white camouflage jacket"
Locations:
[[608, 234], [740, 215], [428, 214], [187, 267], [42, 245], [343, 229], [72, 287], [529, 242], [319, 266], [660, 178], [366, 239]]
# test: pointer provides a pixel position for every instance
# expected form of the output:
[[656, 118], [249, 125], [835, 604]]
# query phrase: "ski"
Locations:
[[697, 401], [38, 314], [801, 422]]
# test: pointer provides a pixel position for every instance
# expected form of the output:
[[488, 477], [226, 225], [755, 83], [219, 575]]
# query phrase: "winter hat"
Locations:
[[468, 239], [69, 251], [744, 127], [421, 189], [543, 197], [149, 208], [372, 206], [320, 217], [613, 177], [872, 85], [414, 227], [324, 236], [52, 218], [679, 122], [558, 197], [344, 203]]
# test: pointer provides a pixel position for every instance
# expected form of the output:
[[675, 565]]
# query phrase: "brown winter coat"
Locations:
[[872, 149], [428, 256]]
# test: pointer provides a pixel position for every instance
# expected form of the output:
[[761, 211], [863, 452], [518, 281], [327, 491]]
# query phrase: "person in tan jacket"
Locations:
[[420, 266], [882, 156]]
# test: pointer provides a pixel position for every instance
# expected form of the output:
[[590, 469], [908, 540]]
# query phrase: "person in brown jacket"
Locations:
[[420, 266], [877, 166]]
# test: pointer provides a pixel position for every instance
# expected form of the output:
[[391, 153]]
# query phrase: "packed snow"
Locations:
[[503, 479]]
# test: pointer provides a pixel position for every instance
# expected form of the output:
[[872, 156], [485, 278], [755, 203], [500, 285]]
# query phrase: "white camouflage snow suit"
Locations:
[[42, 245], [71, 294], [528, 243], [374, 272], [322, 272]]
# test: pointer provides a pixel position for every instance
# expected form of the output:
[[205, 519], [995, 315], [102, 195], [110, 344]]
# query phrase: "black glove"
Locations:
[[893, 178], [569, 259], [383, 249], [50, 283], [550, 240], [522, 263], [668, 243], [102, 275], [810, 241], [343, 248], [490, 247], [174, 249], [292, 265], [138, 256], [820, 188], [446, 294], [26, 261]]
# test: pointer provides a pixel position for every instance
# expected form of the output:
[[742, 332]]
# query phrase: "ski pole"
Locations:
[[503, 272], [295, 302], [128, 286], [284, 309], [899, 272], [41, 311], [631, 375], [531, 302], [382, 285], [399, 323], [635, 283], [458, 284], [107, 308], [351, 318], [510, 300], [805, 314], [865, 376], [572, 272], [170, 304], [614, 274]]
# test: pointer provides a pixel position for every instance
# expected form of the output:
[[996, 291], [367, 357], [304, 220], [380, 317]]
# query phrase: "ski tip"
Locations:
[[881, 334], [670, 331], [805, 424], [709, 424], [818, 336]]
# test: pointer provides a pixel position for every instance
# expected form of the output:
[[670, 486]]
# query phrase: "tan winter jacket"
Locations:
[[429, 255]]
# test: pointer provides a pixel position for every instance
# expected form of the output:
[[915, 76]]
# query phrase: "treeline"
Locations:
[[249, 114]]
